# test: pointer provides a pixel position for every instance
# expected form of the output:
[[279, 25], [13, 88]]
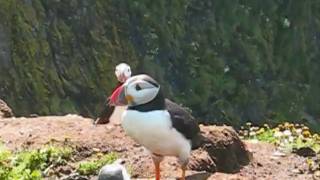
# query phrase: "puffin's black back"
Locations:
[[181, 119]]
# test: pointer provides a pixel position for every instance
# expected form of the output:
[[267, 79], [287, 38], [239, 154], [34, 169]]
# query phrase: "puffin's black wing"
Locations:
[[105, 114], [182, 120], [107, 110]]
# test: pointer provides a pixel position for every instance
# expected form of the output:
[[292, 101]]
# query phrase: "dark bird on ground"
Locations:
[[161, 126], [122, 72]]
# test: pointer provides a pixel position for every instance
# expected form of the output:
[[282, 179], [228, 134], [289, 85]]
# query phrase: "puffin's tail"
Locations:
[[104, 115]]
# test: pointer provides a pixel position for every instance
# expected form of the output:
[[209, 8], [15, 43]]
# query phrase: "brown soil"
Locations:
[[88, 138]]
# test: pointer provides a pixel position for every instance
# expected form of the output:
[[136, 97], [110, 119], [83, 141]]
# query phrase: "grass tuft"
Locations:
[[29, 165], [93, 166]]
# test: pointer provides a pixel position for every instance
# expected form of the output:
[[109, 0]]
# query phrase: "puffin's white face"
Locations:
[[141, 90], [123, 72], [137, 90]]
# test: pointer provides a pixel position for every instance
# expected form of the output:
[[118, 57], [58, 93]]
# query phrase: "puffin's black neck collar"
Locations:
[[157, 103]]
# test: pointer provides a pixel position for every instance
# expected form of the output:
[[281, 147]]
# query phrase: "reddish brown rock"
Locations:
[[5, 110], [221, 150]]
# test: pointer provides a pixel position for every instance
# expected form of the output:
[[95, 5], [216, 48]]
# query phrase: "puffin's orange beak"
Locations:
[[129, 99]]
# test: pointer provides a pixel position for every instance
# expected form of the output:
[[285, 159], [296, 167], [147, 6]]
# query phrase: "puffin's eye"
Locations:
[[138, 88]]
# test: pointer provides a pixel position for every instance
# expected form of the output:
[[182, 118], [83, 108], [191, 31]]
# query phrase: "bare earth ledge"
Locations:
[[221, 149]]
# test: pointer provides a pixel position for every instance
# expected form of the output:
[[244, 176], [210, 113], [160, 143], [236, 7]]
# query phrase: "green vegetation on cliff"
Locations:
[[229, 61]]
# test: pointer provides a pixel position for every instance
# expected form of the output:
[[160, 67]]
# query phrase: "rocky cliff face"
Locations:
[[227, 61], [58, 56], [5, 55]]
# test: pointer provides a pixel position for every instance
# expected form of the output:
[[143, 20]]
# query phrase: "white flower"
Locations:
[[287, 133], [282, 144], [291, 138], [299, 131], [278, 134], [252, 133]]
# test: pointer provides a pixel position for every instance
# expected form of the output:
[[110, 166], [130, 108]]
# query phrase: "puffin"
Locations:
[[160, 125], [112, 113]]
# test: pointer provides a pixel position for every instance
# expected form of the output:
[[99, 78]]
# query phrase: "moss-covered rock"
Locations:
[[228, 61]]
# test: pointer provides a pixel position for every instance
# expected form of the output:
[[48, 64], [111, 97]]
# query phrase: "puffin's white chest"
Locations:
[[115, 117], [154, 131]]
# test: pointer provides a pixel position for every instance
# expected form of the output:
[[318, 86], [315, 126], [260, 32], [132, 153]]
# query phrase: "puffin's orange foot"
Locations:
[[157, 170], [156, 160], [183, 176]]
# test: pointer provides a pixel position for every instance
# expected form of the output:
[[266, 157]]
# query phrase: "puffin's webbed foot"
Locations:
[[184, 164], [183, 175], [156, 160]]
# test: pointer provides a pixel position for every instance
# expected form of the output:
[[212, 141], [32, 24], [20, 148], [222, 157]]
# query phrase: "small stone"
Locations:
[[305, 152], [33, 115], [316, 175], [301, 171], [120, 149], [65, 170], [259, 164], [113, 172], [96, 150], [50, 172], [274, 158], [172, 163], [279, 154], [136, 145], [74, 176], [29, 143], [296, 171]]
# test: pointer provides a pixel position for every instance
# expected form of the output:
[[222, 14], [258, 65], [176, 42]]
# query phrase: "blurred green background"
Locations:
[[230, 61]]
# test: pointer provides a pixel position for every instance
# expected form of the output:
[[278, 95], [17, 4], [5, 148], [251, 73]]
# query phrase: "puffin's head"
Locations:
[[137, 90], [123, 72]]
